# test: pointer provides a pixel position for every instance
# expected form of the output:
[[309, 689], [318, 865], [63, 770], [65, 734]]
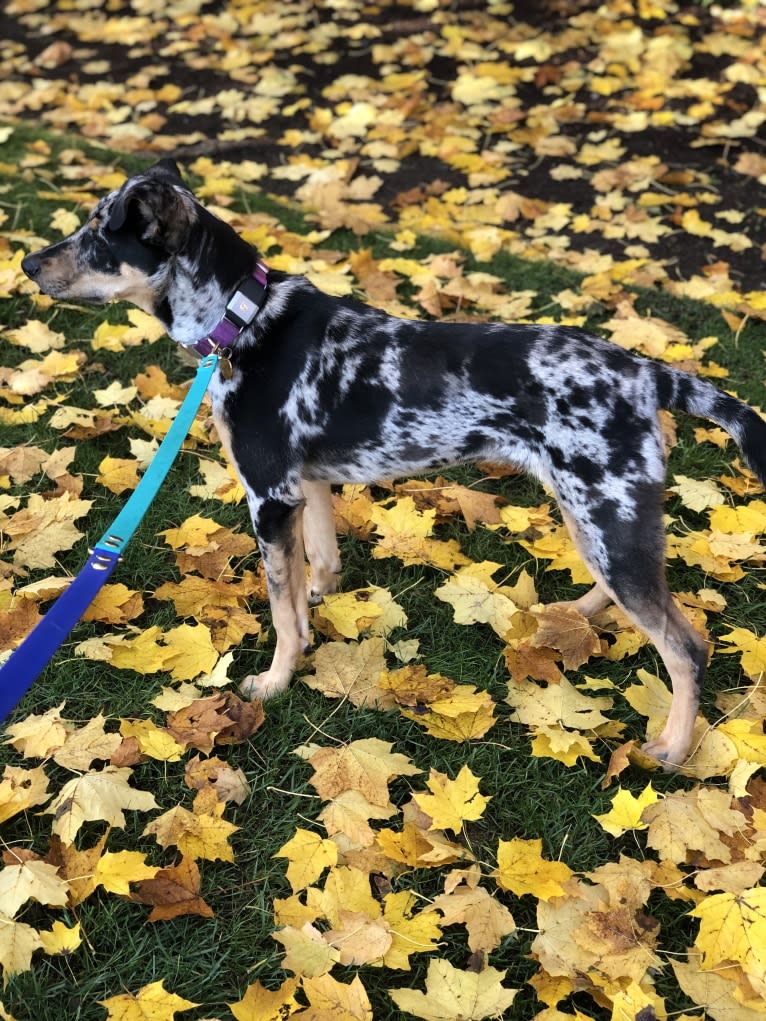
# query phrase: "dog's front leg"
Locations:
[[278, 526]]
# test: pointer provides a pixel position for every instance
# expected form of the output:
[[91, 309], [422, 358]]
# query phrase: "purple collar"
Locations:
[[239, 314]]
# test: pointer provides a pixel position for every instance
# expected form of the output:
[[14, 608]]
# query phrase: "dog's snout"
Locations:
[[31, 264]]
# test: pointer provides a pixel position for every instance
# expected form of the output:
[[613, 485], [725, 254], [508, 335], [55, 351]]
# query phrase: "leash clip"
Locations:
[[100, 560]]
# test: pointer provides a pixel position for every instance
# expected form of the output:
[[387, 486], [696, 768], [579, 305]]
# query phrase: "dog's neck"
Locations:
[[201, 279]]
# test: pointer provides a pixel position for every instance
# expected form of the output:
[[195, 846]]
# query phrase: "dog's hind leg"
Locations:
[[626, 556], [589, 604], [320, 539], [278, 527]]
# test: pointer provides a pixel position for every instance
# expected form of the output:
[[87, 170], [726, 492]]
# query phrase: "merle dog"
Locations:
[[314, 390]]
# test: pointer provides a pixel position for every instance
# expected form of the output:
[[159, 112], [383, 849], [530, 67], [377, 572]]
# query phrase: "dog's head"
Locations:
[[126, 245]]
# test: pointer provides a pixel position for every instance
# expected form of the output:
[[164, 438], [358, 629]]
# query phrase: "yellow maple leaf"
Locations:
[[110, 337], [308, 855], [118, 474], [697, 494], [221, 483], [94, 796], [329, 998], [36, 336], [565, 746], [487, 921], [752, 647], [370, 609], [351, 670], [144, 653], [650, 698], [452, 802], [307, 953], [419, 848], [566, 630], [199, 834], [65, 221], [558, 705], [350, 813], [152, 740], [404, 533], [144, 327], [451, 993], [747, 737], [58, 364], [345, 889], [30, 880], [463, 714], [190, 651], [412, 932], [748, 519], [151, 1003], [686, 822], [733, 928], [557, 546], [115, 394], [115, 604], [522, 869], [115, 871], [60, 939], [262, 1004], [476, 598], [195, 531], [38, 736], [358, 938], [18, 941], [44, 527], [21, 789], [366, 765], [626, 810], [718, 992]]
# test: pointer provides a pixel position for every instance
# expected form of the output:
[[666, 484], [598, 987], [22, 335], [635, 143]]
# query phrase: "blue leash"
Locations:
[[25, 664]]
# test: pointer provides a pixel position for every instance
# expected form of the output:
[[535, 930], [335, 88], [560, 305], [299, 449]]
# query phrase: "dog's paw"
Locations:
[[319, 587], [671, 755], [262, 686]]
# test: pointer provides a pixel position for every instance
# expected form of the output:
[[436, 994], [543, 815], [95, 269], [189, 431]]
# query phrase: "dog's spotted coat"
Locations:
[[327, 390]]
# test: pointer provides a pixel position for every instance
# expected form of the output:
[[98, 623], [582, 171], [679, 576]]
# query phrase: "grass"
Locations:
[[212, 962]]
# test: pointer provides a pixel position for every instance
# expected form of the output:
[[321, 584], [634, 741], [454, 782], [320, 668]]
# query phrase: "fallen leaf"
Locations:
[[451, 993]]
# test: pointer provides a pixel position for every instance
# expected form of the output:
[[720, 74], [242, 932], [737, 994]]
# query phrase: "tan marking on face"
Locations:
[[62, 277], [133, 285]]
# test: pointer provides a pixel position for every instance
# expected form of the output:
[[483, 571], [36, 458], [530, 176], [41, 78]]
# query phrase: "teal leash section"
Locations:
[[119, 533], [25, 664]]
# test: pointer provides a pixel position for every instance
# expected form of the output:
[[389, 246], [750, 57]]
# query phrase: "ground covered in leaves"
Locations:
[[448, 815], [628, 129]]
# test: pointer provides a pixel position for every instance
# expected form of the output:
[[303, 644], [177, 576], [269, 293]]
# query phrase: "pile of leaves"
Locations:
[[428, 821], [577, 132]]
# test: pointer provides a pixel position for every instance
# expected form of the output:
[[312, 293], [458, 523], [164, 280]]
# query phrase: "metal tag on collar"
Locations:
[[224, 362]]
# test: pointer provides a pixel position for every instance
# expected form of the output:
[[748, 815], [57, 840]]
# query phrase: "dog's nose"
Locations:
[[31, 265]]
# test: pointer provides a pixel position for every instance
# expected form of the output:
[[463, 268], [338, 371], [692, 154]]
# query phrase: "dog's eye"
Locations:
[[100, 240]]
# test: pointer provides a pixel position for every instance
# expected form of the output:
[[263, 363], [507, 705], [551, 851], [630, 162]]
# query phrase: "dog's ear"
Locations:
[[169, 167], [154, 209]]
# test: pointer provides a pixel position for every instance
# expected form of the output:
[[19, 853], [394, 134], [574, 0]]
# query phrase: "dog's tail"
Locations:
[[677, 390]]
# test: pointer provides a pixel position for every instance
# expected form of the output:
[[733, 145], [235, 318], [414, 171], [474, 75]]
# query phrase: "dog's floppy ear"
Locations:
[[154, 208], [167, 166]]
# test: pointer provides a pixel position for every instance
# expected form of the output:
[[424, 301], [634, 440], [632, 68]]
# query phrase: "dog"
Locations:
[[313, 390]]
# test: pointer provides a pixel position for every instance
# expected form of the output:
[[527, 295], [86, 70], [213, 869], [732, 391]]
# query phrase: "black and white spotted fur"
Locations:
[[327, 390]]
